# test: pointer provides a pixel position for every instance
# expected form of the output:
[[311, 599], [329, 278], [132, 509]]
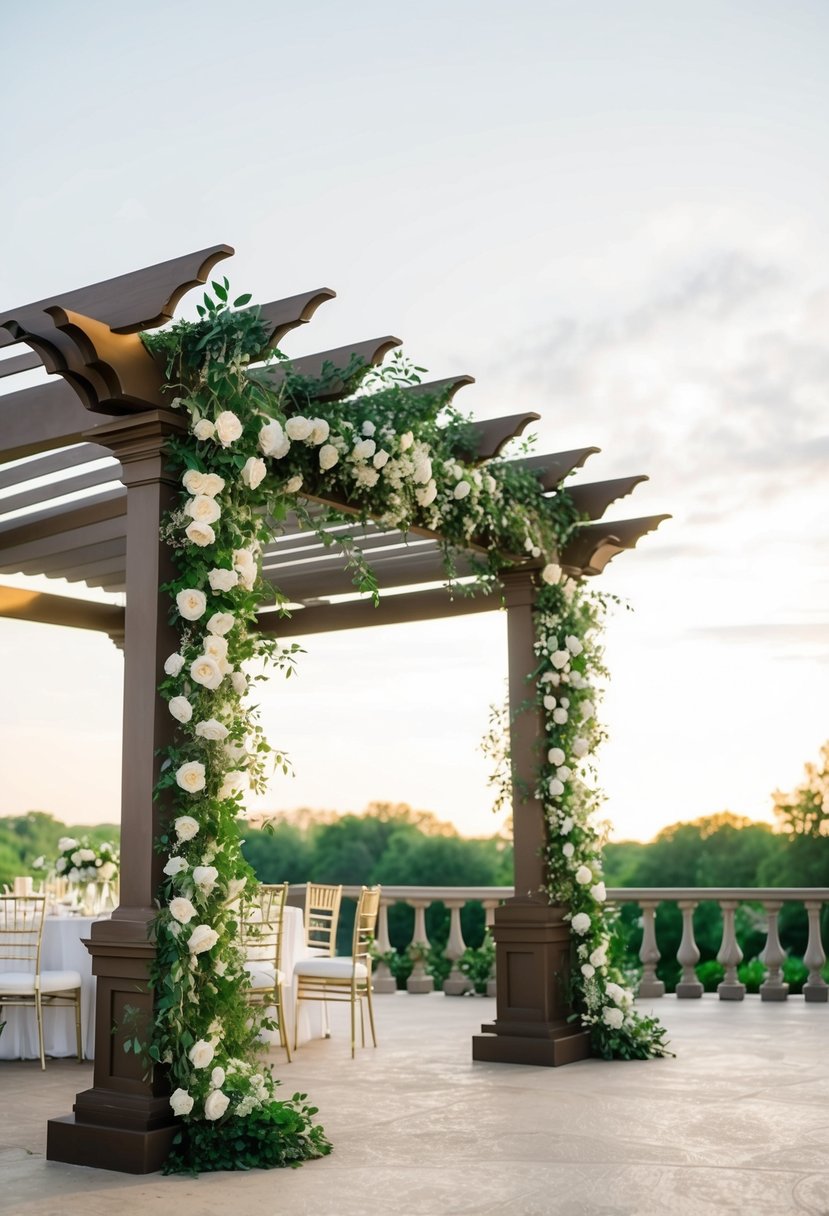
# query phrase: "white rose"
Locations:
[[228, 428], [180, 708], [190, 776], [368, 428], [181, 1102], [563, 772], [191, 603], [567, 825], [599, 892], [293, 484], [427, 494], [363, 449], [203, 509], [299, 428], [271, 438], [559, 716], [182, 910], [462, 489], [588, 709], [65, 843], [422, 470], [217, 1077], [201, 1053], [254, 472], [60, 865], [205, 878], [580, 747], [239, 682], [245, 563], [108, 870], [555, 756], [560, 659], [174, 866], [202, 939], [87, 854], [380, 459], [555, 787], [210, 484], [186, 827], [236, 751], [599, 956], [215, 1105], [320, 430], [204, 429], [551, 574], [235, 887], [200, 534], [616, 992], [173, 664], [222, 580], [573, 644], [568, 848], [584, 875], [211, 729], [588, 971], [613, 1017], [328, 456], [580, 923], [550, 702], [221, 623], [206, 671], [233, 783], [406, 441], [215, 646]]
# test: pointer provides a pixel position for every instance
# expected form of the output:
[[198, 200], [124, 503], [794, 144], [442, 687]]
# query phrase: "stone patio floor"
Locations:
[[737, 1123]]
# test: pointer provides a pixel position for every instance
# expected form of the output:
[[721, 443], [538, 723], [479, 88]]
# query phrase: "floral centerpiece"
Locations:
[[82, 861]]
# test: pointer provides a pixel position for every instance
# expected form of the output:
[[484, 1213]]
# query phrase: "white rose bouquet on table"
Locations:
[[81, 861]]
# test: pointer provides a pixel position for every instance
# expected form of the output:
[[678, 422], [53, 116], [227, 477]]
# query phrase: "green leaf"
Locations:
[[240, 301]]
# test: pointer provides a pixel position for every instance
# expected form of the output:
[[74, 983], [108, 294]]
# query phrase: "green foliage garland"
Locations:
[[249, 450]]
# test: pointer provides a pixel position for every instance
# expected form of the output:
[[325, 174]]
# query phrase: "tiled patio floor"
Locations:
[[737, 1123]]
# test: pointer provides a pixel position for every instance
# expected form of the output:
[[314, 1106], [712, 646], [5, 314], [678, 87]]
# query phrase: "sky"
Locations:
[[613, 213]]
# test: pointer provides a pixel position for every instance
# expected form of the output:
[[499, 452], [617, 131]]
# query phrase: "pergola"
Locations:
[[83, 468]]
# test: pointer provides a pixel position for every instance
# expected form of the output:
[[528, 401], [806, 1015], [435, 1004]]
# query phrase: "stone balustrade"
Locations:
[[687, 899]]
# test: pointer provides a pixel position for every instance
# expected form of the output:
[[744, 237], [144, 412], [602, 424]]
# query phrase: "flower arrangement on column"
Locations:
[[568, 688], [250, 455]]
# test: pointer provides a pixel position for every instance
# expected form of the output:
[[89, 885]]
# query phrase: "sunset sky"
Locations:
[[613, 213]]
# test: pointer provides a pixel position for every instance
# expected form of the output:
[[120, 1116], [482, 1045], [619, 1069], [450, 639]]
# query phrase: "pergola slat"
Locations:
[[594, 545], [68, 485], [81, 453], [19, 363], [284, 315], [593, 498], [362, 354], [488, 437], [48, 609], [325, 580], [73, 563], [551, 470], [41, 418], [398, 609]]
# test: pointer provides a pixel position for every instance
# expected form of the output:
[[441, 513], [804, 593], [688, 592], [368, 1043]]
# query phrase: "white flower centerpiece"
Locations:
[[91, 870]]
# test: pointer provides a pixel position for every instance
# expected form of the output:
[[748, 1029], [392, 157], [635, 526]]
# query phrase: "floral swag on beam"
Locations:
[[248, 453]]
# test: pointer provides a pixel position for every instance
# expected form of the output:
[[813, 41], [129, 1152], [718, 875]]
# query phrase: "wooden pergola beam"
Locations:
[[428, 605], [47, 609]]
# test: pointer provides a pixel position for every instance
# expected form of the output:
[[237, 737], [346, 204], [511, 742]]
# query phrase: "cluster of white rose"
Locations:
[[79, 861], [568, 699]]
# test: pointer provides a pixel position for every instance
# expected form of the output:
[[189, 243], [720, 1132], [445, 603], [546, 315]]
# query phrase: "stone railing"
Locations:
[[647, 899]]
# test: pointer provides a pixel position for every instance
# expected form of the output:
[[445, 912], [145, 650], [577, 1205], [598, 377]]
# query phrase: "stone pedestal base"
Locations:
[[124, 1122], [689, 989], [731, 992], [533, 961], [420, 984], [779, 992], [651, 988], [818, 995]]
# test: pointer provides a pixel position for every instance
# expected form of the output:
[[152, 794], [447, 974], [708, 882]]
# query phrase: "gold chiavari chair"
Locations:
[[322, 915], [341, 978], [23, 982], [261, 925]]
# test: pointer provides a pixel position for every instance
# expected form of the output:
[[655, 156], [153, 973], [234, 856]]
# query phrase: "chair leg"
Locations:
[[283, 1029], [352, 1024], [297, 999], [78, 1035], [39, 1013], [362, 1024], [371, 1015]]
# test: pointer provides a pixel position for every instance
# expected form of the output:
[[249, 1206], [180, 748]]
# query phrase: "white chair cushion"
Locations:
[[264, 975], [340, 968], [22, 983]]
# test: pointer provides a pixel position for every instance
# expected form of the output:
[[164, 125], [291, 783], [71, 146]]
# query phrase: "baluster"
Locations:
[[815, 988], [649, 954], [420, 980], [730, 955], [489, 912], [457, 983], [382, 979], [773, 987], [687, 955]]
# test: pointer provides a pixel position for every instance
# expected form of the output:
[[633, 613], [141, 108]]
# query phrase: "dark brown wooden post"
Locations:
[[124, 1121], [532, 939]]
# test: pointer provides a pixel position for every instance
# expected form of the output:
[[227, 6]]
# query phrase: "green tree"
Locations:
[[805, 811]]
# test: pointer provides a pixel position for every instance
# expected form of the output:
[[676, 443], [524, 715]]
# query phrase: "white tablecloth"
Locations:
[[62, 950], [311, 1013]]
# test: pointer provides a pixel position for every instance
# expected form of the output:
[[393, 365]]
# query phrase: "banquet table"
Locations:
[[62, 950]]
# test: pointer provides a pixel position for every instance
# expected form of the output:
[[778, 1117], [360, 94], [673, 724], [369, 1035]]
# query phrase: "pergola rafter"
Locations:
[[83, 487]]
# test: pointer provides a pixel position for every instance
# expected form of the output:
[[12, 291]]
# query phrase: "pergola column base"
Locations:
[[108, 1148], [533, 961]]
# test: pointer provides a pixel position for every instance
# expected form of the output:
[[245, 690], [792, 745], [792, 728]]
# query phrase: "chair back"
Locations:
[[365, 925], [261, 921], [322, 914], [21, 929]]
